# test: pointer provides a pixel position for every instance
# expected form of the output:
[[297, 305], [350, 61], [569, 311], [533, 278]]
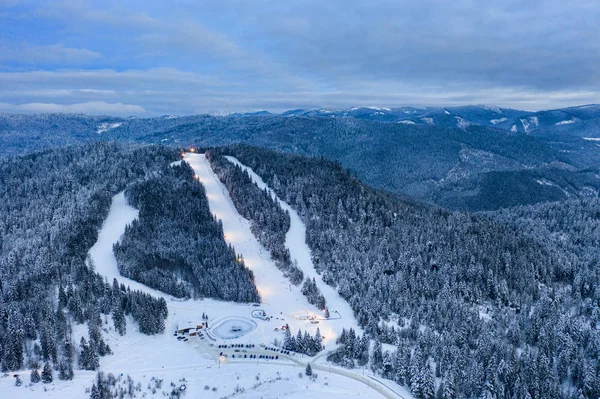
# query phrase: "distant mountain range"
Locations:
[[576, 120], [472, 157]]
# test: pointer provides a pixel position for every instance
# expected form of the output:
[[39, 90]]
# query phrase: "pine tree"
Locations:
[[95, 394], [88, 358], [376, 356], [449, 390], [308, 344], [300, 346], [308, 370], [119, 320], [47, 373], [428, 381], [318, 341], [35, 376], [287, 340], [65, 371]]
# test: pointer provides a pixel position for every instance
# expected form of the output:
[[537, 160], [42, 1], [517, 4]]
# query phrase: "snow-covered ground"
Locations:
[[566, 122], [198, 360], [107, 126], [295, 241], [496, 121]]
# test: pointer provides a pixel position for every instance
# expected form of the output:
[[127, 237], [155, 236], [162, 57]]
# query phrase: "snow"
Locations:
[[462, 123], [407, 122], [592, 138], [107, 126], [566, 122], [446, 112], [232, 327], [428, 120], [176, 163], [295, 241], [496, 121], [119, 216], [198, 359], [492, 108], [513, 128], [531, 122]]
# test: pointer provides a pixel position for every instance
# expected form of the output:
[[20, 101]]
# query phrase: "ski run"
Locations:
[[196, 364]]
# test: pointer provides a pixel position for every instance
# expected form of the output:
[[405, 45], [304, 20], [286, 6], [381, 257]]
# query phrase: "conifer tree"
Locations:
[[47, 373], [35, 376]]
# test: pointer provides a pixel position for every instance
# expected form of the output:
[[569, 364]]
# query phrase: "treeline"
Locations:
[[496, 311], [176, 245], [52, 205], [352, 350], [268, 222], [303, 343], [313, 294]]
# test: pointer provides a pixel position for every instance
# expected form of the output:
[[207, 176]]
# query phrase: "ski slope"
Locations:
[[295, 241], [198, 360]]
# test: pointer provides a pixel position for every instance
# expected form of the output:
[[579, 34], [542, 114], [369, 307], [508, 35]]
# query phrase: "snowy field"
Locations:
[[196, 363]]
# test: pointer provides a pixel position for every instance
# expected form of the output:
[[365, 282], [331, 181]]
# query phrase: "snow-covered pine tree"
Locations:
[[35, 376], [47, 373], [309, 371]]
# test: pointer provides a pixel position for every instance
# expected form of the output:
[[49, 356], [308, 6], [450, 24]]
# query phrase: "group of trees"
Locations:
[[176, 245], [313, 294], [268, 222], [498, 312], [52, 205], [303, 343], [352, 350]]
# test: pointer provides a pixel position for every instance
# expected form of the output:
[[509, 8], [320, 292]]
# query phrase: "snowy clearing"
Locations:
[[496, 121], [566, 122], [107, 126]]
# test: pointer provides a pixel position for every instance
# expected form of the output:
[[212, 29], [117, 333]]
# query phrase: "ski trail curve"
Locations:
[[295, 241]]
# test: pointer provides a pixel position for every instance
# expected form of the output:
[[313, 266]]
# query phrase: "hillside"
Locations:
[[426, 299], [440, 162], [495, 311]]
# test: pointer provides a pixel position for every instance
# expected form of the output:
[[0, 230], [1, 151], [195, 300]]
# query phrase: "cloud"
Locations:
[[92, 108], [198, 56], [50, 55]]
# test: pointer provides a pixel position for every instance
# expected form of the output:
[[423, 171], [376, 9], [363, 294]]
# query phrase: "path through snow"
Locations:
[[162, 356], [295, 241]]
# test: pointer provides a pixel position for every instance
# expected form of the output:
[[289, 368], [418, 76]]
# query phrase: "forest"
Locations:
[[176, 245], [469, 299], [500, 304], [52, 205]]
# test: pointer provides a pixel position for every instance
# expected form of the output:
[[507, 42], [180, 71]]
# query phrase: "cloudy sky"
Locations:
[[182, 57]]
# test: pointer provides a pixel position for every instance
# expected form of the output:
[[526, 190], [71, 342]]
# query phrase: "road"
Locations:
[[296, 361]]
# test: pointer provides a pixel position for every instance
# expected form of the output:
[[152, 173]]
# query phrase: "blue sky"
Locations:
[[182, 57]]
